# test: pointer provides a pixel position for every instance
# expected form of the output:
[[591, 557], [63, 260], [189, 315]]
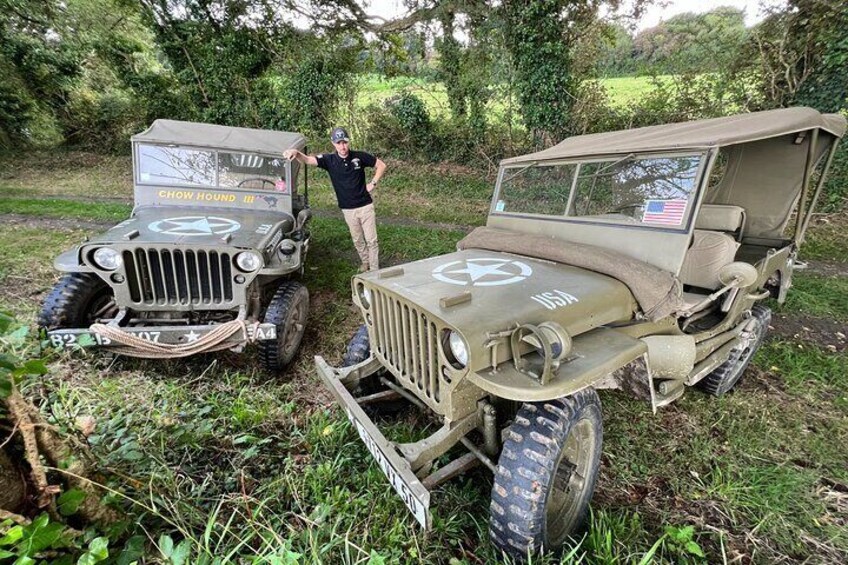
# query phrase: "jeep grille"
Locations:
[[408, 344], [162, 277]]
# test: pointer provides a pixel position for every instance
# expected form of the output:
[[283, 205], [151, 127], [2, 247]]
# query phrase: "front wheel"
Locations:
[[728, 374], [358, 349], [77, 301], [287, 310], [546, 474]]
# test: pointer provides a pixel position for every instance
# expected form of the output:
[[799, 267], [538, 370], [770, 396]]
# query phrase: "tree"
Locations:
[[692, 43]]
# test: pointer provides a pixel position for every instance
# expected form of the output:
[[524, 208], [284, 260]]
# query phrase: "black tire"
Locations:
[[358, 349], [288, 310], [546, 474], [728, 374], [77, 301]]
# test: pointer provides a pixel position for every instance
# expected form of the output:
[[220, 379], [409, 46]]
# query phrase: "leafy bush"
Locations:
[[400, 127], [103, 121]]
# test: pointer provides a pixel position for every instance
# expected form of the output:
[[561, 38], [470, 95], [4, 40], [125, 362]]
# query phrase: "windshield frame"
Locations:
[[702, 153], [287, 167]]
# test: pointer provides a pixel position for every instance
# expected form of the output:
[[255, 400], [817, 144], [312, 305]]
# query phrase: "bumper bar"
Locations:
[[396, 468]]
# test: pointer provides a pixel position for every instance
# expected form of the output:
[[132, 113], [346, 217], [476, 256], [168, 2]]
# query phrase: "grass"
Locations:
[[819, 296], [826, 239], [251, 469]]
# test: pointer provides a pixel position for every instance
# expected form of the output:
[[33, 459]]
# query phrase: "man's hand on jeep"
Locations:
[[291, 154]]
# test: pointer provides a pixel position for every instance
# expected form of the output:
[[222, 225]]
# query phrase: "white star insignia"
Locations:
[[477, 271], [192, 336]]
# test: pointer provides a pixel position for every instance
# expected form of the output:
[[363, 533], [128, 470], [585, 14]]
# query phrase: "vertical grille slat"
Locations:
[[157, 277], [384, 338], [433, 357], [421, 347]]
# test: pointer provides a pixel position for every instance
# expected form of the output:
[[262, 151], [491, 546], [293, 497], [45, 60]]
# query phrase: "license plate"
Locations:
[[406, 491], [162, 334]]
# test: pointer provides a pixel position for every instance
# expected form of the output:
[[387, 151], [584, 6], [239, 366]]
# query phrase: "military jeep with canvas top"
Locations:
[[636, 260], [209, 258]]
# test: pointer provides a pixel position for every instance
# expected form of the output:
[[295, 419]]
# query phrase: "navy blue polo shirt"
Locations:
[[348, 177]]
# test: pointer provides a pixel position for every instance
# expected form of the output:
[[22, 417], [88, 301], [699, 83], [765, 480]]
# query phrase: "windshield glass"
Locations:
[[181, 166], [651, 191]]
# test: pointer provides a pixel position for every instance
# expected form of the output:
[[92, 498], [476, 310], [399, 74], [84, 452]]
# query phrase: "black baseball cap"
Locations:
[[339, 134]]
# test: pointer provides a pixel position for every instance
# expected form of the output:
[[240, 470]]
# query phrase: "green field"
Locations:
[[374, 88], [212, 455]]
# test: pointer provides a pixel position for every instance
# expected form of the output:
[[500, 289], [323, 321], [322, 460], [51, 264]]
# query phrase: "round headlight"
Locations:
[[458, 349], [107, 258], [248, 261], [364, 295]]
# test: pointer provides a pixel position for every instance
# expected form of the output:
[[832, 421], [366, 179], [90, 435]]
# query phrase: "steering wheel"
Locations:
[[260, 179]]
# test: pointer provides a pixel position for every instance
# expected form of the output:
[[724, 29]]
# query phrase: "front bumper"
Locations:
[[396, 468], [172, 335]]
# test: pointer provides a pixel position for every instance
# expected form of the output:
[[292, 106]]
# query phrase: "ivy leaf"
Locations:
[[6, 320], [35, 367], [12, 536], [86, 340], [18, 336], [166, 545], [70, 501], [99, 548], [181, 552], [44, 537], [694, 549], [133, 550], [376, 559], [8, 362]]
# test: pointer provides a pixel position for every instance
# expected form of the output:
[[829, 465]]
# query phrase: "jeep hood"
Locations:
[[506, 290], [198, 226]]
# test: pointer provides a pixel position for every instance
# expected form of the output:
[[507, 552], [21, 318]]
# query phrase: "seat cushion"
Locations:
[[720, 217], [710, 251]]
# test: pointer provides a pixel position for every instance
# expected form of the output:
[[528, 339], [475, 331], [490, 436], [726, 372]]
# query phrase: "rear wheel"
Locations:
[[728, 374], [77, 301], [546, 474], [287, 310]]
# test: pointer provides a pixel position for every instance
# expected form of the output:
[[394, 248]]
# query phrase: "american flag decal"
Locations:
[[665, 212]]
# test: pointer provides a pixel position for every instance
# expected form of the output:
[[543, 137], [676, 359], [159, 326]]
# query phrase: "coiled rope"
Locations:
[[214, 340]]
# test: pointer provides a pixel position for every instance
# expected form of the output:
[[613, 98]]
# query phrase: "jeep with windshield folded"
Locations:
[[208, 260], [636, 260]]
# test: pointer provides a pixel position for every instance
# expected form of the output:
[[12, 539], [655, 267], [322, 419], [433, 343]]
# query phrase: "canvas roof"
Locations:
[[698, 134], [221, 137]]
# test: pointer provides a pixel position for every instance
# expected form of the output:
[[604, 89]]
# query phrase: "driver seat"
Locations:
[[716, 238]]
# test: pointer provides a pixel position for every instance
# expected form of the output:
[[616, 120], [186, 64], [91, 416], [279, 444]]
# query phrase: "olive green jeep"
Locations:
[[636, 260], [209, 258]]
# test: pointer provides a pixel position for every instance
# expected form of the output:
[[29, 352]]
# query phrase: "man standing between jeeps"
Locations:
[[347, 175]]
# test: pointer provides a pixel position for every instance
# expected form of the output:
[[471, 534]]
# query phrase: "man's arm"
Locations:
[[379, 169], [292, 154]]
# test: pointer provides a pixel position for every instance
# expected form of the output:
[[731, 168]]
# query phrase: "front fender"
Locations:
[[594, 355], [69, 262]]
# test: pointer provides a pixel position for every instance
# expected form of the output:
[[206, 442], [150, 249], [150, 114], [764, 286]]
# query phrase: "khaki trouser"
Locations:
[[362, 223]]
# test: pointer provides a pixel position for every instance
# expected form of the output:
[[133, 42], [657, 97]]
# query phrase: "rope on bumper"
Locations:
[[215, 340]]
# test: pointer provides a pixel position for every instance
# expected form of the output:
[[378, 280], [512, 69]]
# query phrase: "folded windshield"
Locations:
[[653, 191], [181, 166]]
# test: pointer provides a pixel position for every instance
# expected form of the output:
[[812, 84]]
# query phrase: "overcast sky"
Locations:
[[753, 11]]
